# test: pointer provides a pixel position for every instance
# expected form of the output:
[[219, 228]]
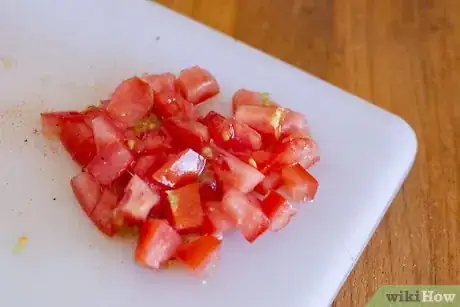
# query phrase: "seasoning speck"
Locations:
[[157, 38], [25, 141], [22, 241], [54, 198], [35, 131]]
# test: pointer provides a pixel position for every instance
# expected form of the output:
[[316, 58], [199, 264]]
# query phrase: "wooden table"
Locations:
[[403, 55]]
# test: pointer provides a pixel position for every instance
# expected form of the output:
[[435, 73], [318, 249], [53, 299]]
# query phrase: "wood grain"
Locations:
[[403, 55]]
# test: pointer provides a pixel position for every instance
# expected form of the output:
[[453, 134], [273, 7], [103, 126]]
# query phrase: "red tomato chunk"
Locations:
[[197, 84], [299, 184], [278, 210], [87, 191], [197, 253], [78, 139], [103, 214], [185, 205], [157, 243]]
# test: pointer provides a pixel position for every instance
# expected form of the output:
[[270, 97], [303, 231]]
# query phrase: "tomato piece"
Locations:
[[119, 185], [235, 173], [210, 186], [197, 84], [154, 142], [161, 82], [131, 101], [137, 201], [51, 122], [264, 119], [91, 113], [299, 184], [197, 253], [185, 204], [113, 160], [293, 123], [231, 134], [105, 132], [157, 243], [247, 97], [278, 209], [185, 166], [169, 104], [272, 181], [219, 220], [246, 215], [103, 214], [303, 151], [188, 134], [78, 140], [87, 191], [143, 164]]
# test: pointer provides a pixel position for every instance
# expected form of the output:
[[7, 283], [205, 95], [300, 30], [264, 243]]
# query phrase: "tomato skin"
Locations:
[[197, 84], [300, 150], [78, 140], [264, 119], [91, 113], [161, 82], [87, 191], [105, 132], [246, 215], [272, 181], [131, 101], [103, 214], [278, 209], [197, 253], [169, 104], [186, 210], [247, 97], [299, 184], [294, 123], [137, 201], [113, 160], [185, 166], [210, 187], [157, 243], [188, 134], [51, 122]]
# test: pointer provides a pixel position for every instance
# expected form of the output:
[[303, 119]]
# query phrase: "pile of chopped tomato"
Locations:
[[149, 161]]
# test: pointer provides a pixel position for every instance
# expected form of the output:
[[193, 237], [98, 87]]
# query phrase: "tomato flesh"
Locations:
[[169, 104], [157, 243], [131, 101], [197, 84], [247, 97], [271, 182], [278, 209], [51, 122], [220, 222], [160, 83], [78, 140], [113, 160], [185, 205], [197, 253], [137, 201], [301, 150], [264, 119], [188, 134], [87, 191], [103, 214], [246, 215], [183, 167], [105, 133], [299, 184]]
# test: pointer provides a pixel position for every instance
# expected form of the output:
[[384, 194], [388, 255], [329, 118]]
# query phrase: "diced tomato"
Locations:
[[110, 163], [188, 134], [155, 142], [237, 174], [247, 97], [143, 164], [272, 181], [299, 184], [186, 210], [87, 191], [220, 221], [91, 113], [210, 186], [264, 119], [157, 243], [247, 216], [183, 167], [51, 122], [162, 210], [78, 139], [197, 253], [230, 134], [294, 122], [119, 185], [137, 201], [105, 132], [303, 151], [161, 83], [197, 84], [131, 101], [102, 216], [169, 104], [278, 209]]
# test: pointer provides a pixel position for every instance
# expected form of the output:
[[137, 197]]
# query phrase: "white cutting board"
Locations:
[[68, 54]]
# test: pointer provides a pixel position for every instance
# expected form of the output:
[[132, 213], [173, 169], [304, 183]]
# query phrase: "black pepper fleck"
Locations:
[[25, 141], [35, 131], [157, 38], [54, 198]]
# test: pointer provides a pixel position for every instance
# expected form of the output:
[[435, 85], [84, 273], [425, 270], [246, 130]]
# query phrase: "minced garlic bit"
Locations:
[[150, 123], [207, 152], [275, 120], [252, 162], [22, 241]]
